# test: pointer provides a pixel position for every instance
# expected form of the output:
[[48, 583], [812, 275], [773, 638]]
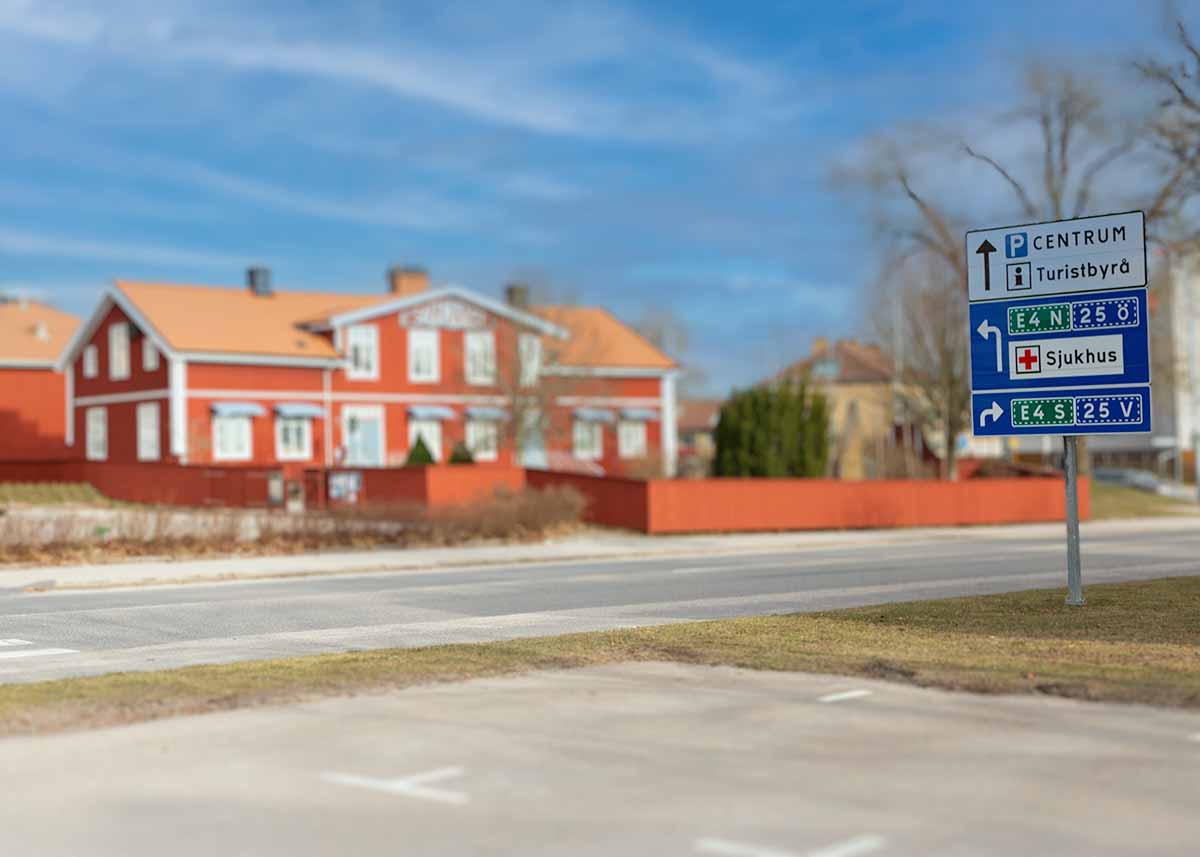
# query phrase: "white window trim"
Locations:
[[473, 340], [219, 455], [369, 412], [430, 334], [118, 332], [529, 346], [435, 449], [623, 450], [368, 335], [487, 425], [91, 362], [150, 355], [587, 454], [91, 441], [144, 450], [307, 453]]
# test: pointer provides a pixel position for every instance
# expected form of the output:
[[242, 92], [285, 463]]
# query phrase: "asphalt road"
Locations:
[[633, 759], [67, 633]]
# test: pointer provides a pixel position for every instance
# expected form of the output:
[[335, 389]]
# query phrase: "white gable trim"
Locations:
[[112, 297], [493, 306]]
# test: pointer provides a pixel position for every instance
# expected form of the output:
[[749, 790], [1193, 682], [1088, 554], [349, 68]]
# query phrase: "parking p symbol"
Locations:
[[1016, 245]]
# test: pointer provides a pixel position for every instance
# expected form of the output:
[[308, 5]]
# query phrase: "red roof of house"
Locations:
[[843, 362]]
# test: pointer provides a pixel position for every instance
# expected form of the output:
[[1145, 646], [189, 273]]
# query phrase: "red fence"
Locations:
[[168, 484], [434, 485]]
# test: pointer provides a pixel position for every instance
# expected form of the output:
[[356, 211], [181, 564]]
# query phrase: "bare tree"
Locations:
[[663, 328]]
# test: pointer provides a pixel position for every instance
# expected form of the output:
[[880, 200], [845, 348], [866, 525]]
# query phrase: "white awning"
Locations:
[[639, 414], [300, 410], [595, 415], [238, 409], [492, 414], [431, 412]]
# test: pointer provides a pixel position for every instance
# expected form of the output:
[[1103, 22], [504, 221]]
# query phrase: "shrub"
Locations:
[[461, 454], [773, 432], [419, 454]]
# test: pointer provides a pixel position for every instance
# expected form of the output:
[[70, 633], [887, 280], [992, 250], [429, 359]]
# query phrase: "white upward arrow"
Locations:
[[995, 412], [986, 330]]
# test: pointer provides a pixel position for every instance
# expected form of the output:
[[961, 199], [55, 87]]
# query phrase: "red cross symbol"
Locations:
[[1028, 359]]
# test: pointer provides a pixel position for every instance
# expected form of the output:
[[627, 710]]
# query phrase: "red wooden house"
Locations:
[[32, 417], [257, 376]]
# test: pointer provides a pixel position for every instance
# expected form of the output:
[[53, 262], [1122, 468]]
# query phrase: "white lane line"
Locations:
[[414, 786], [844, 695], [34, 653], [864, 844], [12, 642], [1195, 737], [736, 849]]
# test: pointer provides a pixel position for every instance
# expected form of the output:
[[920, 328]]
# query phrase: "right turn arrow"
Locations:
[[995, 412]]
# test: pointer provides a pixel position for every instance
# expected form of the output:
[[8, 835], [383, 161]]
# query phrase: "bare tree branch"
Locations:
[[1026, 203]]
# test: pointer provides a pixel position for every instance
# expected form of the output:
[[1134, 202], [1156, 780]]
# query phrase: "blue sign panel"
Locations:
[[1116, 410], [1066, 341]]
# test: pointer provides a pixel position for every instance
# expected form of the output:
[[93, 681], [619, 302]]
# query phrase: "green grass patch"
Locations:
[[1133, 642], [51, 494], [1110, 502]]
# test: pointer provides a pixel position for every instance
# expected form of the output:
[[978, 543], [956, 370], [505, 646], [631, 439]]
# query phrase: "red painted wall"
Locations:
[[33, 415]]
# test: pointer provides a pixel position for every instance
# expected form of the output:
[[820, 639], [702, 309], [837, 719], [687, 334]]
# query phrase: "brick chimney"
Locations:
[[819, 344], [516, 295], [404, 281]]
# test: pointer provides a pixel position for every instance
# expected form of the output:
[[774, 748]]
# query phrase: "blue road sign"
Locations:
[[1059, 327]]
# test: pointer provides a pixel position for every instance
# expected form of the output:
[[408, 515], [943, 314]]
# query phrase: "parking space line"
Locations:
[[859, 845], [844, 695], [34, 653], [1195, 737], [413, 786]]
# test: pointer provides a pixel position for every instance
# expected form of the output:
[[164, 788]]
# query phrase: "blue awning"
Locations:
[[639, 414], [595, 415], [493, 414], [431, 412], [238, 409], [300, 410]]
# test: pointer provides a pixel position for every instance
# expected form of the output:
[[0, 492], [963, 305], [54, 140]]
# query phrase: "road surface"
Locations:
[[83, 632]]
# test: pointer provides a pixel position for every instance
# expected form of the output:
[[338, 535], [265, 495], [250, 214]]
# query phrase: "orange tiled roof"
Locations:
[[856, 363], [599, 339], [33, 332], [233, 320]]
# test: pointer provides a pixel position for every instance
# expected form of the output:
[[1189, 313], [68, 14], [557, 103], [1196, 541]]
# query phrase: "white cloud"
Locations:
[[21, 242]]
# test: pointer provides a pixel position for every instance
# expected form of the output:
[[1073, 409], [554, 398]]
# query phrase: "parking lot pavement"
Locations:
[[653, 759]]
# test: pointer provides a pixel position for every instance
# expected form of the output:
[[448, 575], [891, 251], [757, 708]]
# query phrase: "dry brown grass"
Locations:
[[75, 537], [1133, 642]]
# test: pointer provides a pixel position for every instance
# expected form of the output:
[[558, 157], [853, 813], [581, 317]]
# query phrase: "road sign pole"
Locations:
[[1074, 567]]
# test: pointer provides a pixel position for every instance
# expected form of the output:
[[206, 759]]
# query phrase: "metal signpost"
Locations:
[[1060, 338]]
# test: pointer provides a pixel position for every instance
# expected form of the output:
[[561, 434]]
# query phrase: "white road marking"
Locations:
[[864, 844], [855, 847], [844, 695], [1195, 737], [34, 653], [413, 786], [15, 643]]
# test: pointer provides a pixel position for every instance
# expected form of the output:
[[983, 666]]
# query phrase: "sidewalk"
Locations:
[[592, 545]]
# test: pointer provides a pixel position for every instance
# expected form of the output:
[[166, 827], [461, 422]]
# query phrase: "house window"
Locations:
[[97, 433], [362, 349], [363, 431], [232, 438], [293, 439], [91, 362], [530, 348], [631, 439], [148, 437], [118, 351], [149, 356], [481, 356], [423, 355], [588, 439], [483, 439], [428, 430]]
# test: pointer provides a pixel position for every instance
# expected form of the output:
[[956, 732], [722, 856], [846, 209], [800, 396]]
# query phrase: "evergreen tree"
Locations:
[[461, 454], [774, 432], [419, 455]]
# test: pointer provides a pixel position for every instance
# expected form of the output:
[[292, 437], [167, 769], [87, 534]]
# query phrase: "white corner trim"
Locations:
[[177, 384], [122, 398], [69, 390], [669, 429]]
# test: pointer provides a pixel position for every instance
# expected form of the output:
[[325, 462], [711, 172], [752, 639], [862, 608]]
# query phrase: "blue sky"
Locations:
[[638, 156]]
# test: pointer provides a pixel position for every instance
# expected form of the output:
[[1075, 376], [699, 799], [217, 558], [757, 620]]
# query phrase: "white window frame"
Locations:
[[91, 362], [149, 355], [149, 437], [433, 441], [483, 439], [632, 439], [221, 453], [362, 339], [118, 351], [587, 440], [424, 338], [529, 348], [96, 433], [479, 352], [305, 453]]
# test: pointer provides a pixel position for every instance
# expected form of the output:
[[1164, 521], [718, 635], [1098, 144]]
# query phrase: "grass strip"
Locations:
[[1113, 502], [1133, 642]]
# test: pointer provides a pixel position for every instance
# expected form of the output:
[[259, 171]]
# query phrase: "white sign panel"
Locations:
[[1066, 358], [1088, 254]]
